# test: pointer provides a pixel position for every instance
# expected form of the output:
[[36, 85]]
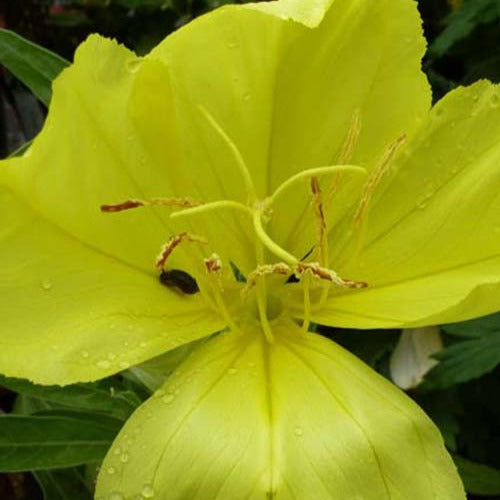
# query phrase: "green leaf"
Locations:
[[462, 21], [474, 327], [95, 397], [478, 479], [465, 361], [65, 484], [21, 149], [56, 441], [35, 66]]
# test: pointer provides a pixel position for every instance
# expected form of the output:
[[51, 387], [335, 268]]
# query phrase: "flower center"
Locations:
[[260, 293]]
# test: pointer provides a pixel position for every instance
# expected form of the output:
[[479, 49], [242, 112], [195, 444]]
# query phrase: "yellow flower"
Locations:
[[291, 141]]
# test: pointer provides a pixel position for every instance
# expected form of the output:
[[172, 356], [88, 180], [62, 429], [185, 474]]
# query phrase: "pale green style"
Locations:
[[286, 138]]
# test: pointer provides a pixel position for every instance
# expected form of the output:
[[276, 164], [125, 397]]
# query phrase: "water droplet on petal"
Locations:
[[298, 431], [168, 398], [103, 363], [111, 470], [232, 371], [133, 65], [84, 354], [494, 101], [46, 285], [148, 491], [124, 458], [117, 450], [116, 496]]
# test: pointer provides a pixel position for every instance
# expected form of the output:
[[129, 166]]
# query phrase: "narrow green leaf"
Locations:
[[474, 327], [461, 23], [64, 484], [47, 442], [35, 66], [478, 479], [95, 397], [465, 361], [21, 149]]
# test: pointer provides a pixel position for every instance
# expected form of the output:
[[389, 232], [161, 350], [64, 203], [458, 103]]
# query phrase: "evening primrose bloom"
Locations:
[[290, 143]]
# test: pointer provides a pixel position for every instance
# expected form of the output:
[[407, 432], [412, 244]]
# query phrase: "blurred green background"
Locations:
[[462, 395]]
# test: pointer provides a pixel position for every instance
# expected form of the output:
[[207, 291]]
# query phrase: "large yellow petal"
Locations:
[[70, 312], [300, 419], [431, 248], [287, 97]]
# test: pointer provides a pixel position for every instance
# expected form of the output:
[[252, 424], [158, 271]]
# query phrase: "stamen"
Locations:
[[240, 162], [345, 153], [213, 205], [306, 281], [266, 269], [320, 222], [328, 275], [262, 295], [135, 203], [172, 243], [373, 180], [312, 172], [213, 264]]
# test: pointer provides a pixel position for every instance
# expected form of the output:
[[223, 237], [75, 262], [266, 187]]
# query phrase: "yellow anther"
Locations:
[[213, 264], [323, 273], [321, 244], [345, 154], [164, 202], [374, 178], [172, 243], [264, 270]]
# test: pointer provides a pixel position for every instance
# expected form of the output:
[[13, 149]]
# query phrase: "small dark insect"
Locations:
[[182, 281]]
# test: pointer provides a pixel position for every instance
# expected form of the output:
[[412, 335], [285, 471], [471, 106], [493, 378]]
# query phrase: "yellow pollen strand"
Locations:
[[345, 155], [374, 179], [240, 162]]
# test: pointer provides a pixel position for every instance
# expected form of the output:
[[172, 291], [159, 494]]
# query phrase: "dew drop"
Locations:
[[123, 365], [232, 371], [111, 356], [117, 450], [232, 44], [111, 470], [494, 101], [143, 344], [124, 458], [103, 363], [46, 285], [298, 431], [84, 354], [148, 491], [247, 97], [168, 398], [133, 65], [116, 496]]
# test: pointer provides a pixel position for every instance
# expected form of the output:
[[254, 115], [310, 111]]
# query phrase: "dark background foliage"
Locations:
[[461, 394]]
